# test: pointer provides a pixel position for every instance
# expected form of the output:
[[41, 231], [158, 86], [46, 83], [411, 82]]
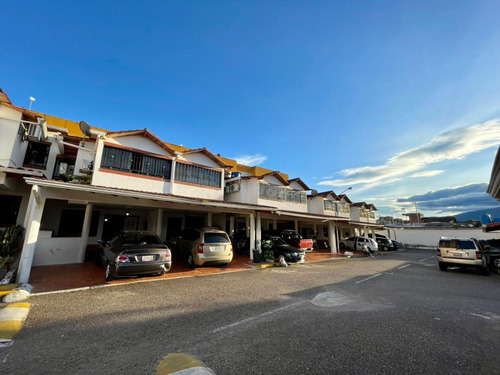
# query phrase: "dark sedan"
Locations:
[[281, 248], [133, 253]]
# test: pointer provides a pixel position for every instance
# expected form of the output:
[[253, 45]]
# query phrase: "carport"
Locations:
[[64, 218]]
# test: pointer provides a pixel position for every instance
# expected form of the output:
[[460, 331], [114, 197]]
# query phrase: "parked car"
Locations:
[[356, 243], [281, 248], [293, 238], [493, 249], [385, 244], [133, 253], [397, 244], [203, 246], [462, 252]]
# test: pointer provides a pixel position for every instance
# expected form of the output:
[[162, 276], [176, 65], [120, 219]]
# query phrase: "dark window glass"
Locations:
[[71, 223], [37, 154], [197, 175], [216, 237], [135, 162], [9, 208], [139, 239], [63, 167]]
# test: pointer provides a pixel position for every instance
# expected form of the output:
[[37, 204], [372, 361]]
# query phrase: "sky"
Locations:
[[399, 100]]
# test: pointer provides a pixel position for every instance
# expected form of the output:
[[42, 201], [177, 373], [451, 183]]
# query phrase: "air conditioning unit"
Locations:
[[33, 132], [232, 188]]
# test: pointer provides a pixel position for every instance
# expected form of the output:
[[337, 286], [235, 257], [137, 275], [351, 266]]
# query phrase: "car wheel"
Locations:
[[496, 263], [342, 245], [443, 266], [110, 274], [190, 261]]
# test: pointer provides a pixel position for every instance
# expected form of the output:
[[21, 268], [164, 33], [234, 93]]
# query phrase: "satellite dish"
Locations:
[[85, 128]]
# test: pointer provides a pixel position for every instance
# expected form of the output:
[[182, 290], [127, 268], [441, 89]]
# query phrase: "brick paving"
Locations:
[[88, 274]]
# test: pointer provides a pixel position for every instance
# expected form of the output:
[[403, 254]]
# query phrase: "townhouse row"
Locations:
[[70, 185]]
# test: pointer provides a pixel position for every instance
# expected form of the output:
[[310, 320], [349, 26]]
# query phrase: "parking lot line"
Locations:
[[368, 278], [256, 317], [406, 265]]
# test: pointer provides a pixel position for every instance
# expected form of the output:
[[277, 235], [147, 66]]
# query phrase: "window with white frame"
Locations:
[[194, 174], [279, 193], [135, 162], [329, 205]]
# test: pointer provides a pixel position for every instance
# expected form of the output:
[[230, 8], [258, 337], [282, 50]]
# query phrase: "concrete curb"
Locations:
[[180, 363], [15, 292], [12, 317]]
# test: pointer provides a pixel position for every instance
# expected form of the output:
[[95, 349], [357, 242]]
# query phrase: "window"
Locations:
[[329, 206], [279, 193], [63, 167], [197, 175], [343, 208], [9, 209], [37, 154], [135, 162]]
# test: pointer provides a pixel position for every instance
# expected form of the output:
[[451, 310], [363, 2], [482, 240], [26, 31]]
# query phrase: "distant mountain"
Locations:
[[476, 215]]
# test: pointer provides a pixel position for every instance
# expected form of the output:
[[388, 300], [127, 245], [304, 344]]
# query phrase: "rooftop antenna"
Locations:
[[85, 128], [32, 99]]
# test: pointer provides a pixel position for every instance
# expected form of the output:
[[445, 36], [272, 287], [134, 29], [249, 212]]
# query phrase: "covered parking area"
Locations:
[[63, 219]]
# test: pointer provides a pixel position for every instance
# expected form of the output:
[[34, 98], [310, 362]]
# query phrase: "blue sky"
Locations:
[[398, 99]]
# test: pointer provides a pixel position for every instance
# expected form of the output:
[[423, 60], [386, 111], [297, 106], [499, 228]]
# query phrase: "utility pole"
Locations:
[[416, 212]]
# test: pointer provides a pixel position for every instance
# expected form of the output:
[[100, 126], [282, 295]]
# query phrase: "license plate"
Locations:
[[148, 258], [217, 248], [457, 254]]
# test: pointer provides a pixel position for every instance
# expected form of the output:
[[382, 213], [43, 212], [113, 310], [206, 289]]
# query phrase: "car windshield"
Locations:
[[278, 241], [211, 237], [133, 239]]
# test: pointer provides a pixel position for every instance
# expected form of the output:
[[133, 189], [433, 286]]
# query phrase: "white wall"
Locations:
[[198, 191], [201, 159], [315, 205], [139, 142], [430, 237], [9, 140], [62, 250]]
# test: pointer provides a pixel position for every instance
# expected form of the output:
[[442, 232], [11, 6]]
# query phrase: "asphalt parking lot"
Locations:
[[396, 313]]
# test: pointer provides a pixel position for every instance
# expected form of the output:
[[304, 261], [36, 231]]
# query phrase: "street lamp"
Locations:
[[349, 188]]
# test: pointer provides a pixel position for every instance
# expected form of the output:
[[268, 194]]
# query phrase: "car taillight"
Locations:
[[122, 258], [439, 252], [200, 248], [479, 255], [231, 248], [167, 255]]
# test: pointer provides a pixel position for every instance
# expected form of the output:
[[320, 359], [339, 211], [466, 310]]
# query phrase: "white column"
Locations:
[[32, 229], [275, 224], [172, 176], [231, 225], [251, 229], [258, 228], [85, 231], [209, 219], [332, 237], [248, 220], [159, 222]]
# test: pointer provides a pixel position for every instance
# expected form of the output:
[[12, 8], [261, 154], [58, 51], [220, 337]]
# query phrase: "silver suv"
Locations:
[[202, 246], [462, 252]]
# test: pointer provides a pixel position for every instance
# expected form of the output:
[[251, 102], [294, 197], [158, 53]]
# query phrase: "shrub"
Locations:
[[10, 240]]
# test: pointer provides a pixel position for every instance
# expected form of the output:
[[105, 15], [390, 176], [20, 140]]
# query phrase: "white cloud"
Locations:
[[452, 145], [427, 173], [251, 160]]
